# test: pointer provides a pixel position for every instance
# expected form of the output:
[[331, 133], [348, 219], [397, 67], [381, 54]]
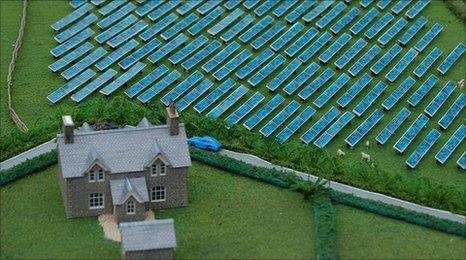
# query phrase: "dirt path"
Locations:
[[110, 226]]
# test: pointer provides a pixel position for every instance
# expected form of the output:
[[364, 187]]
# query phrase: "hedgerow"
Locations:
[[120, 110], [325, 232], [33, 165]]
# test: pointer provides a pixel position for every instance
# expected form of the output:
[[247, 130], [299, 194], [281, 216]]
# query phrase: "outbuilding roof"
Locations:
[[148, 235], [122, 150]]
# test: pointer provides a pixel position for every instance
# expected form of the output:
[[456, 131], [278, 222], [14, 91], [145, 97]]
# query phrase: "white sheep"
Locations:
[[365, 157], [367, 144], [340, 153], [461, 84]]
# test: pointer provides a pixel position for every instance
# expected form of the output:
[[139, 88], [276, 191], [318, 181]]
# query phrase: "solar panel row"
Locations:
[[450, 146], [423, 148]]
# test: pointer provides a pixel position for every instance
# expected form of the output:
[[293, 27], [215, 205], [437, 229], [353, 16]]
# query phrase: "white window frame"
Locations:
[[100, 175], [158, 191], [130, 207], [153, 169], [92, 176], [95, 198], [162, 169]]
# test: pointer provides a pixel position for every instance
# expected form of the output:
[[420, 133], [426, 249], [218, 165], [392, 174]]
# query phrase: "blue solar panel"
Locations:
[[413, 30], [315, 47], [189, 49], [188, 6], [451, 59], [428, 37], [318, 10], [72, 17], [364, 60], [417, 8], [231, 18], [350, 53], [262, 113], [394, 125], [396, 95], [139, 54], [452, 112], [237, 28], [255, 63], [388, 57], [193, 95], [284, 75], [287, 36], [206, 7], [279, 119], [299, 10], [163, 9], [206, 21], [71, 56], [331, 15], [462, 161], [363, 129], [305, 75], [364, 21], [76, 28], [440, 99], [158, 27], [115, 29], [228, 102], [216, 94], [378, 26], [77, 3], [232, 64], [71, 86], [123, 78], [382, 4], [450, 146], [178, 27], [266, 70], [370, 98], [232, 4], [320, 125], [265, 7], [111, 19], [402, 64], [400, 5], [146, 81], [295, 124], [127, 34], [365, 3], [422, 68], [148, 7], [110, 7], [335, 48], [267, 35], [181, 88], [256, 29], [167, 48], [94, 85], [151, 92], [316, 84], [284, 7], [201, 55], [357, 87], [250, 3], [422, 91], [84, 63], [72, 42], [407, 138], [301, 42], [392, 31], [345, 20], [423, 148], [334, 129], [116, 55], [245, 108], [332, 90], [220, 57]]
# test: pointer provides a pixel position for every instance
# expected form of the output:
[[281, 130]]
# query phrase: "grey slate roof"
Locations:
[[121, 189], [122, 150], [147, 235]]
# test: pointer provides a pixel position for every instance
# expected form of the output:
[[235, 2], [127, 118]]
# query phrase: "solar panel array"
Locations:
[[222, 57]]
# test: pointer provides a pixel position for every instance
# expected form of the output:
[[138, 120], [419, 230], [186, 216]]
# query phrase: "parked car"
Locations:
[[206, 143]]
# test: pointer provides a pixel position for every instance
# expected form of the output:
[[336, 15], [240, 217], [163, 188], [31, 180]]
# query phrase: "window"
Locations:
[[153, 170], [92, 176], [162, 169], [158, 193], [96, 201], [130, 209], [100, 177]]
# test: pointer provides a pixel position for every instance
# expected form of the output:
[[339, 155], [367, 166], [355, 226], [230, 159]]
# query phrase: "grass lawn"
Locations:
[[228, 217], [33, 81], [363, 235]]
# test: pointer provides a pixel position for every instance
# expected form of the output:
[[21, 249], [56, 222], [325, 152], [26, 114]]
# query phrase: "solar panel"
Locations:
[[450, 146], [201, 55], [163, 9], [215, 95], [72, 42], [220, 57], [232, 64], [256, 29], [422, 91], [428, 37], [451, 59], [284, 75], [305, 75], [298, 11], [76, 28], [127, 34], [295, 124], [284, 7], [110, 7], [249, 67], [345, 20], [158, 27], [94, 85], [417, 8], [206, 21], [379, 26], [167, 48], [425, 64], [151, 92], [265, 7], [181, 88], [462, 161], [245, 108], [316, 84], [228, 102], [364, 21], [402, 64], [237, 28], [331, 15], [407, 138], [364, 60], [357, 87], [388, 57], [206, 7], [363, 129], [231, 18], [396, 95], [146, 81], [148, 7], [287, 36], [189, 49], [370, 98], [123, 78], [115, 29], [392, 31], [400, 5], [320, 125], [413, 30], [71, 86], [111, 19], [318, 10], [301, 42], [84, 63], [139, 54], [440, 99], [315, 47], [188, 6], [350, 53], [332, 90], [72, 17], [266, 70], [262, 113], [279, 119], [423, 148], [179, 26], [452, 112], [267, 35], [71, 56], [394, 125], [335, 48], [193, 95], [334, 129]]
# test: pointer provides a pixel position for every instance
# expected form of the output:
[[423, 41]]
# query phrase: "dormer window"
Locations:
[[162, 169], [100, 176], [92, 176], [130, 208], [96, 175], [158, 169], [153, 169]]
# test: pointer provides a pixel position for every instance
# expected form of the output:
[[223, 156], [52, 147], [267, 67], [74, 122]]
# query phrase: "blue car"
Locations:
[[205, 143]]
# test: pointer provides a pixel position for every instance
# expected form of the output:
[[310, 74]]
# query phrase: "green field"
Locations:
[[33, 81], [228, 216]]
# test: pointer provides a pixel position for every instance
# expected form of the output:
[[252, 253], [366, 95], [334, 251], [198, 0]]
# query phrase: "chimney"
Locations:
[[68, 129], [173, 119]]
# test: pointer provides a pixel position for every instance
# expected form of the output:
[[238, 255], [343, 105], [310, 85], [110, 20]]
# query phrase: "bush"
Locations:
[[458, 7], [326, 237], [30, 166]]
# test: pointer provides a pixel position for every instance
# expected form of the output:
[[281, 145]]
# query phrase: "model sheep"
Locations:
[[365, 157], [340, 153]]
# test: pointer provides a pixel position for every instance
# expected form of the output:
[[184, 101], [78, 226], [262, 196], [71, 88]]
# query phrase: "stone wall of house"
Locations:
[[175, 182], [164, 254], [120, 211]]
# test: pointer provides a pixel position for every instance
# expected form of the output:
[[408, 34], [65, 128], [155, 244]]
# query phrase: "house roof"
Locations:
[[147, 235], [122, 189], [122, 150]]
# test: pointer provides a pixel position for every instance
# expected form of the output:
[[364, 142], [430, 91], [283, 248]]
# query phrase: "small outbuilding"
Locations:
[[153, 239]]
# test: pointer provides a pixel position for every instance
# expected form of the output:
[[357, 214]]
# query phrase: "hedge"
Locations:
[[285, 180], [325, 233], [33, 165]]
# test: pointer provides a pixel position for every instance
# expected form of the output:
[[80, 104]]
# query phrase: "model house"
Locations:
[[123, 171]]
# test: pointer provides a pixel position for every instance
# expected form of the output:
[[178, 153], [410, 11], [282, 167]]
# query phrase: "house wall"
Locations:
[[63, 189], [164, 254], [175, 182], [122, 216]]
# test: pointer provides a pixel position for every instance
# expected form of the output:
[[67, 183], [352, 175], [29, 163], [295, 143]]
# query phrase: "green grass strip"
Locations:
[[325, 237], [30, 166], [287, 180]]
